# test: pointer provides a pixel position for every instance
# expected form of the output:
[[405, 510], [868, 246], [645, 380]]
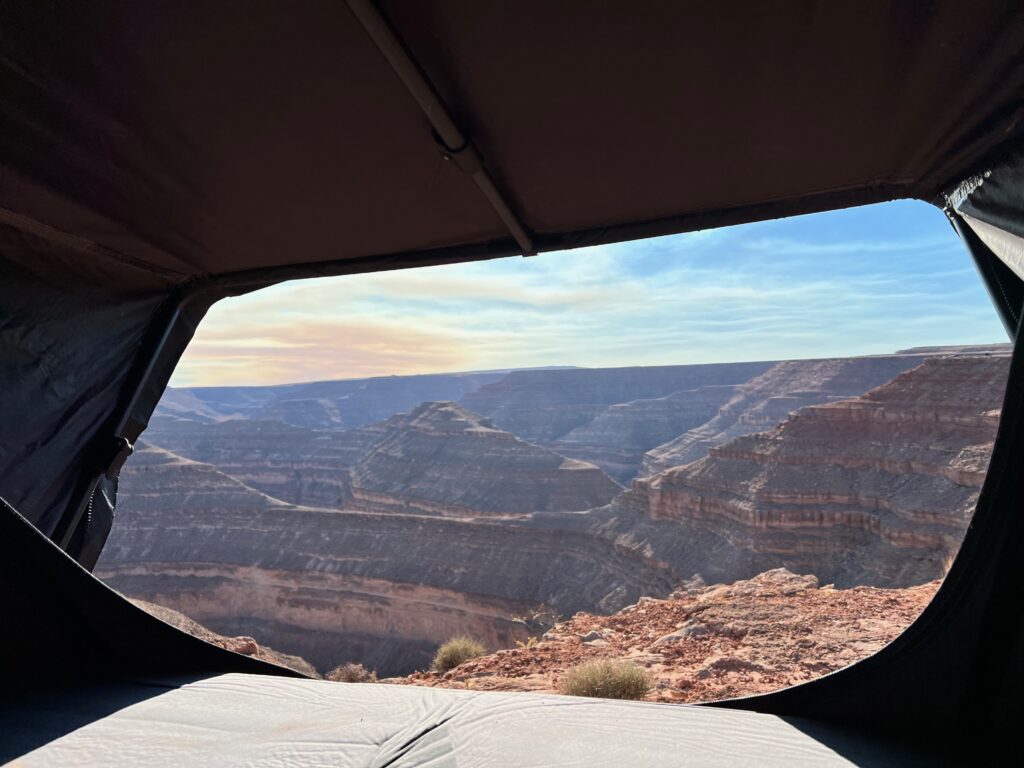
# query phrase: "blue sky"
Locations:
[[860, 281]]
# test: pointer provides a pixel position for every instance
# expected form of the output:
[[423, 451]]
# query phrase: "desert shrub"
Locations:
[[351, 673], [607, 680], [456, 651]]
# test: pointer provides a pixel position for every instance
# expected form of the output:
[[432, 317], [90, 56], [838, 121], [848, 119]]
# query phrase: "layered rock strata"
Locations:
[[543, 405], [297, 465], [767, 399], [877, 489], [444, 460], [618, 437], [383, 589]]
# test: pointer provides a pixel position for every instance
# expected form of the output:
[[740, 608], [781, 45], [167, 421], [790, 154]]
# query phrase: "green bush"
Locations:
[[606, 680], [351, 673], [456, 651]]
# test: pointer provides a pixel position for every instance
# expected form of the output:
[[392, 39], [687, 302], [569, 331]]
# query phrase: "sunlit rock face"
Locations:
[[767, 399], [543, 405], [877, 489], [383, 589], [444, 460]]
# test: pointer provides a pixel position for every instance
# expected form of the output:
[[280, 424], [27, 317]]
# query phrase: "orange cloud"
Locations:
[[236, 352]]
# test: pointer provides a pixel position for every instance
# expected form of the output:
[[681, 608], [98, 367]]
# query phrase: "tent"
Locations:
[[157, 157]]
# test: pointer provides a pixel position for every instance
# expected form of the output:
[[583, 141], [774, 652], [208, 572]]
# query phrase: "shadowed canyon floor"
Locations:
[[282, 513]]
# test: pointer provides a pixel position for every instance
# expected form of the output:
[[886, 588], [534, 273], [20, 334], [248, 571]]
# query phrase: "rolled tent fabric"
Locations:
[[988, 211], [1006, 245], [991, 204]]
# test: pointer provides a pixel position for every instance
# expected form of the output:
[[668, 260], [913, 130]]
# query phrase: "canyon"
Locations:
[[332, 586], [499, 501]]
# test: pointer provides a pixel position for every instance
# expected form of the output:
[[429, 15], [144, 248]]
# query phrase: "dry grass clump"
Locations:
[[351, 673], [456, 651], [606, 680]]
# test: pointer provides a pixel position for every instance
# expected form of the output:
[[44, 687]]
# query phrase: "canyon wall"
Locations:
[[617, 438], [332, 586], [375, 544], [543, 405], [290, 463], [767, 399], [877, 489]]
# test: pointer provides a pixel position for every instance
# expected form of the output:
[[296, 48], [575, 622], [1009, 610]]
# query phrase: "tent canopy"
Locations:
[[182, 140]]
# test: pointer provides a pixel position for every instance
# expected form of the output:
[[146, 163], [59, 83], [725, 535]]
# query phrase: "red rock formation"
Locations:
[[875, 489], [705, 643], [767, 399]]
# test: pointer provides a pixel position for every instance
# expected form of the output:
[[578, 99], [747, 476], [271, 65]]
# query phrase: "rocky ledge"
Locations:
[[706, 643]]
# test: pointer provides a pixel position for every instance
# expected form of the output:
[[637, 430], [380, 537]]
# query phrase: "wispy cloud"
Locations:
[[861, 281]]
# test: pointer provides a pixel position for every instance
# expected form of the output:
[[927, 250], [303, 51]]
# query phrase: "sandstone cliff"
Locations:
[[707, 643], [444, 460], [877, 489], [767, 399]]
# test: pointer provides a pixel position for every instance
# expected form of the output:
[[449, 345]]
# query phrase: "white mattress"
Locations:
[[251, 720]]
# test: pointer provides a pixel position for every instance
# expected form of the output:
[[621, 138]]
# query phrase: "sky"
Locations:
[[866, 280]]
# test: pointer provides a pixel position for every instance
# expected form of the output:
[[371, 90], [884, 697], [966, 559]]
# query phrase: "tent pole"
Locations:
[[454, 144]]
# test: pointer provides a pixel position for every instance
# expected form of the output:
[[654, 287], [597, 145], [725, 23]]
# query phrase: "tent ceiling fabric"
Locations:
[[212, 138]]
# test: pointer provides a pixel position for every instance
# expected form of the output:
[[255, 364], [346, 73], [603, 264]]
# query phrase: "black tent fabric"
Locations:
[[156, 157]]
